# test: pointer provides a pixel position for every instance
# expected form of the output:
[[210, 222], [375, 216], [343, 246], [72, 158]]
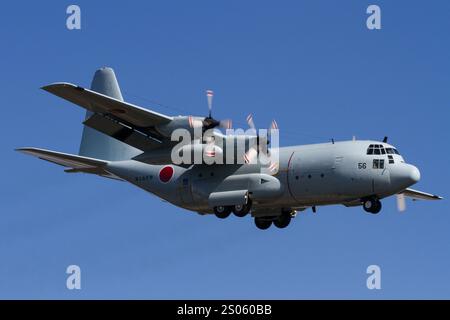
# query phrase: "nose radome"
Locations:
[[414, 174], [404, 175]]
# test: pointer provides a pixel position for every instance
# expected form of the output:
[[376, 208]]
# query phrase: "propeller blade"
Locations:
[[195, 123], [209, 96], [401, 203], [274, 125], [226, 124], [273, 168], [210, 150], [250, 156], [250, 122]]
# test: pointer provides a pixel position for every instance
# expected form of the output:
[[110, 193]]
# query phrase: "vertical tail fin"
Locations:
[[95, 144]]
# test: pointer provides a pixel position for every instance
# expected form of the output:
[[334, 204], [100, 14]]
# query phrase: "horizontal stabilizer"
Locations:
[[73, 162], [100, 103]]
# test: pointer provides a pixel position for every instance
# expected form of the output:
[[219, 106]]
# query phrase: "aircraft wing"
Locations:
[[74, 163], [419, 195]]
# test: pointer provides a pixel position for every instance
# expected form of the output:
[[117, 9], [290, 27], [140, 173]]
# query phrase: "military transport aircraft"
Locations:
[[130, 143]]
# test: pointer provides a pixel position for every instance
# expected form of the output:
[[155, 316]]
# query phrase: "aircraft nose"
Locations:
[[414, 174], [404, 175]]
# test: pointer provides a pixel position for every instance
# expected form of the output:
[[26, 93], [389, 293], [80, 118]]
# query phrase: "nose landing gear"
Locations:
[[372, 205]]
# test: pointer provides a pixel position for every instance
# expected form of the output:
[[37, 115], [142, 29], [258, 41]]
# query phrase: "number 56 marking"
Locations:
[[362, 165]]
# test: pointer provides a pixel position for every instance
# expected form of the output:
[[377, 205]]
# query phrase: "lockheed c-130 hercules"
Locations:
[[130, 143]]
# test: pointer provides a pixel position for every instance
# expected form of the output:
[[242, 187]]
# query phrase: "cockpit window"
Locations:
[[376, 149], [379, 149], [392, 151]]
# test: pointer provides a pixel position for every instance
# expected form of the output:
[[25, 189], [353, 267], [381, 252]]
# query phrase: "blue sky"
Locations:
[[311, 65]]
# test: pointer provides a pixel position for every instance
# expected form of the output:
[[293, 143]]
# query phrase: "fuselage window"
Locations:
[[391, 159]]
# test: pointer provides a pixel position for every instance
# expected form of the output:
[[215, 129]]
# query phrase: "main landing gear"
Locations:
[[281, 221], [222, 212], [372, 205], [239, 210]]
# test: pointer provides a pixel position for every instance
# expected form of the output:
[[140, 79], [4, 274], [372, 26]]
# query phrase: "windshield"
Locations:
[[380, 149]]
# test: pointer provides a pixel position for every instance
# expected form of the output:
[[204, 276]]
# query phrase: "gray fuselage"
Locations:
[[308, 175]]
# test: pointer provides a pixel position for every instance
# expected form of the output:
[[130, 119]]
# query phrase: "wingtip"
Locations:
[[24, 149], [51, 86]]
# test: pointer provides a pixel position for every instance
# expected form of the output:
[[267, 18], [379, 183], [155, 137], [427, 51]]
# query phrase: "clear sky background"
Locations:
[[311, 65]]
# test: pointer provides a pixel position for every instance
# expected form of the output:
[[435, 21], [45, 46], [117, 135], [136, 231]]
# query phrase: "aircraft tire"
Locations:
[[262, 224], [222, 212], [283, 220], [242, 210], [372, 205], [377, 207]]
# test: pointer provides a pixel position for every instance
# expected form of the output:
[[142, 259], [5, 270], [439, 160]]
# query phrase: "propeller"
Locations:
[[252, 153], [209, 122], [261, 148], [261, 140], [401, 202], [250, 122]]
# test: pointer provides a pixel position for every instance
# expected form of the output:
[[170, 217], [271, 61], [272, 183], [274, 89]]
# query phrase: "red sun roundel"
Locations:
[[166, 174]]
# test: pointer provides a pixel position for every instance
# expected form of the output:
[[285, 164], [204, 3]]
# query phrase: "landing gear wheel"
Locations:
[[262, 223], [372, 206], [222, 212], [241, 210], [283, 220], [377, 207]]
